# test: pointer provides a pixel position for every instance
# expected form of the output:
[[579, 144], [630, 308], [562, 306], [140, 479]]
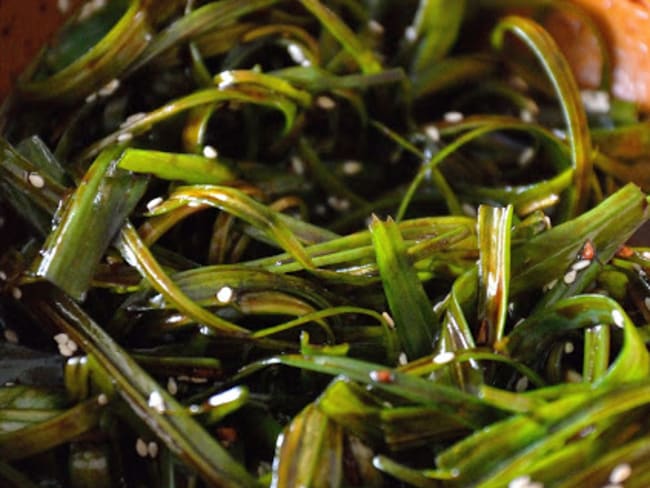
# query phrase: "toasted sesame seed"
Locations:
[[618, 319], [620, 473], [453, 117], [522, 384], [325, 102], [402, 359], [210, 152], [389, 320], [124, 137], [444, 357], [156, 401], [172, 386], [351, 168], [152, 449], [109, 88], [36, 180], [16, 293], [102, 399], [568, 347], [580, 265], [225, 294], [153, 203], [570, 276], [11, 336], [141, 448], [526, 156]]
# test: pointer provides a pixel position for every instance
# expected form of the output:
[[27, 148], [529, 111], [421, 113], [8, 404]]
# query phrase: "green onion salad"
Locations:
[[321, 243]]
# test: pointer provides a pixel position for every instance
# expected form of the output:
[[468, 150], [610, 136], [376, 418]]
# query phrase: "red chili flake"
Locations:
[[382, 376], [625, 252], [227, 435], [588, 251]]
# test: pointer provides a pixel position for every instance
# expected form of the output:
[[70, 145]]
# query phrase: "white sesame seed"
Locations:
[[102, 399], [172, 386], [526, 156], [297, 165], [152, 449], [153, 203], [568, 347], [124, 137], [522, 384], [141, 448], [526, 115], [443, 357], [375, 27], [339, 204], [61, 338], [325, 102], [595, 101], [389, 320], [297, 55], [402, 359], [91, 98], [16, 293], [559, 133], [36, 180], [210, 152], [620, 473], [432, 132], [194, 409], [109, 88], [352, 167], [618, 319], [65, 351], [520, 482], [410, 34], [469, 210], [225, 294], [11, 336], [580, 265], [570, 276], [156, 401], [453, 117], [72, 346], [3, 276]]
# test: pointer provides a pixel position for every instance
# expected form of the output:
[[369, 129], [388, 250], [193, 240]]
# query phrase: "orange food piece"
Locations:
[[625, 25]]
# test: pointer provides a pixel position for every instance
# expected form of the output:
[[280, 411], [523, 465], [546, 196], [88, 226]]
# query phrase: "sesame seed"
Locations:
[[402, 359], [375, 27], [152, 449], [91, 98], [580, 265], [645, 254], [102, 399], [153, 203], [559, 133], [194, 409], [156, 401], [340, 204], [570, 277], [568, 347], [141, 448], [36, 180], [109, 88], [297, 55], [351, 168], [72, 346], [443, 358], [11, 336], [618, 319], [124, 137], [16, 293], [526, 156], [210, 152], [65, 351], [297, 165], [198, 380], [225, 294], [389, 320], [520, 482], [3, 276], [620, 473], [469, 210], [526, 115], [410, 34], [172, 386], [325, 102], [133, 119], [432, 132], [522, 384], [453, 117], [595, 101]]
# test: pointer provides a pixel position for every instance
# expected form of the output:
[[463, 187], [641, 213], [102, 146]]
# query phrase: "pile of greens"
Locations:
[[321, 243]]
